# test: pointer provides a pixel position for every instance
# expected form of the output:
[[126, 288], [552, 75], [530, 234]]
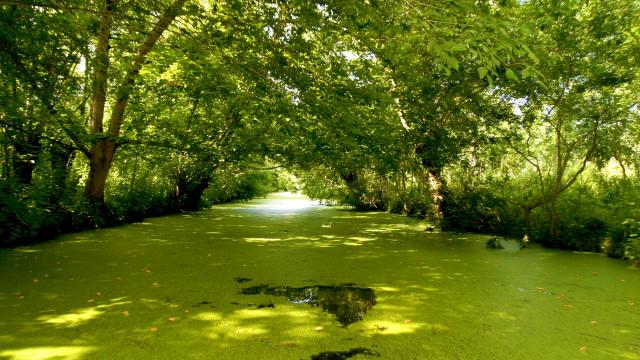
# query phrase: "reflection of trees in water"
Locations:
[[348, 303], [341, 355]]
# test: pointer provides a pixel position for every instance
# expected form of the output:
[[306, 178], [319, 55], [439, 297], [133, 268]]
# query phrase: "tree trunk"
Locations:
[[189, 193], [438, 195], [101, 158], [60, 157], [350, 179], [527, 219], [102, 153], [26, 153], [553, 218]]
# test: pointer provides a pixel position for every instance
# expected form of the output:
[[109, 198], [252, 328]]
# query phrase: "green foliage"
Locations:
[[230, 185], [479, 211], [575, 233], [632, 241]]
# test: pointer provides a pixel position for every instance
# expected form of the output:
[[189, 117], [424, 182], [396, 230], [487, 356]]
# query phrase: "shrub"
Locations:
[[632, 241], [477, 211], [581, 234]]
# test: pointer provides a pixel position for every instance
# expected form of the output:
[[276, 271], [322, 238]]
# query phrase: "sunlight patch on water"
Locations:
[[80, 316], [47, 353], [262, 239]]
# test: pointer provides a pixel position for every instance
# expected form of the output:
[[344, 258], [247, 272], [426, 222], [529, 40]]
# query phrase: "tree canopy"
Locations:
[[490, 116]]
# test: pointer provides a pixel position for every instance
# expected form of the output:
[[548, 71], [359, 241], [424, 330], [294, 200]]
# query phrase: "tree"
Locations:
[[586, 95], [104, 147]]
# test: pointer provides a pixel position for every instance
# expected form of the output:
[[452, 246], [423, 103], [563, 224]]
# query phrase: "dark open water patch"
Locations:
[[339, 355], [347, 302]]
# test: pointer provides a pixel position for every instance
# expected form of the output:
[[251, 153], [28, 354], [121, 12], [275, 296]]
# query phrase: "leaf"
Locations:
[[512, 75], [452, 63], [482, 72]]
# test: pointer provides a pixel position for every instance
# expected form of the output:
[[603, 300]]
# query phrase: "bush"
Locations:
[[477, 211], [580, 234], [632, 241]]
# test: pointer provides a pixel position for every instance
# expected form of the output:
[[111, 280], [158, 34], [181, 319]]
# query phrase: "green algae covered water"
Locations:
[[284, 278]]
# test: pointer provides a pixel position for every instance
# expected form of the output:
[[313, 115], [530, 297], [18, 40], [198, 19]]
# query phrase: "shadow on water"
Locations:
[[346, 302], [340, 355]]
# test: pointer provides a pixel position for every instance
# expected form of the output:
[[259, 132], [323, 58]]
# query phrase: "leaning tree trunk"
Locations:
[[100, 155], [354, 188], [189, 193], [102, 152]]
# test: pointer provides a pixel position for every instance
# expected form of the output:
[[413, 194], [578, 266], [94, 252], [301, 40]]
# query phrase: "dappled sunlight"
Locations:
[[80, 316], [207, 316], [351, 216], [386, 288], [70, 320], [504, 315], [26, 250], [250, 240], [362, 239], [179, 285], [245, 324], [48, 353]]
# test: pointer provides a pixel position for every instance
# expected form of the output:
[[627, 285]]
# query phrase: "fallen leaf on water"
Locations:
[[90, 300], [540, 288], [146, 270], [35, 280], [125, 313], [593, 322], [584, 349], [153, 329], [407, 321], [155, 285], [98, 293], [172, 319]]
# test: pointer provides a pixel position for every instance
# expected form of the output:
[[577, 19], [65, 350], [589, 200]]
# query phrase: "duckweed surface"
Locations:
[[171, 288]]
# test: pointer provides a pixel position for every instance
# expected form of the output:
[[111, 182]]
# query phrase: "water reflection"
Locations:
[[346, 302], [341, 355]]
